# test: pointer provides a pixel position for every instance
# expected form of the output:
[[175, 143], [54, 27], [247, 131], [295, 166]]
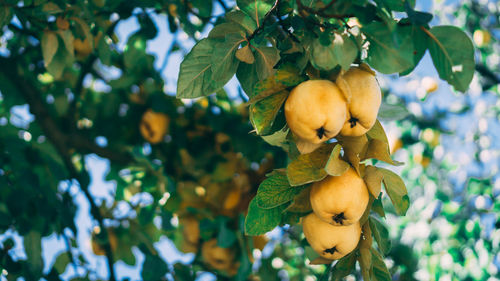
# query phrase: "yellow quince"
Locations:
[[340, 200], [364, 102], [315, 111], [330, 241]]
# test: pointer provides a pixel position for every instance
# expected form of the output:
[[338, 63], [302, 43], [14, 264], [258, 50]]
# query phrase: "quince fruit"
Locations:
[[340, 200], [217, 257], [315, 111], [154, 126], [330, 241], [364, 103]]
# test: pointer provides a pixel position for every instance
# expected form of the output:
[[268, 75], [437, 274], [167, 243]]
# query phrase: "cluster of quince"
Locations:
[[316, 111]]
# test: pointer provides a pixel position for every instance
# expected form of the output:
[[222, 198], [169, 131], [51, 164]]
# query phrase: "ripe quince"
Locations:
[[315, 111], [364, 103], [154, 126], [330, 241], [217, 257], [340, 200]]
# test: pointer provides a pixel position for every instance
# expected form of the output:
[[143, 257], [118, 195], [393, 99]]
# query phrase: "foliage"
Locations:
[[66, 62]]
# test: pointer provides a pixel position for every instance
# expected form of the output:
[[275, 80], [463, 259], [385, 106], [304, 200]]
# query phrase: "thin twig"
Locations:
[[266, 16]]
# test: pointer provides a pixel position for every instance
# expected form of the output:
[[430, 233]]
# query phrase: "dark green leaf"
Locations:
[[257, 9], [392, 112], [259, 221], [396, 190], [390, 50], [61, 262], [380, 271], [344, 266], [265, 60], [452, 53], [263, 112], [195, 75], [275, 191], [243, 20], [309, 167], [373, 179], [342, 51], [381, 235], [153, 268], [224, 61], [33, 248]]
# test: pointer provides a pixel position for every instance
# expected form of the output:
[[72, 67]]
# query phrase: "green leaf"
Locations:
[[344, 266], [373, 179], [390, 51], [195, 75], [204, 7], [221, 30], [309, 167], [419, 47], [396, 190], [263, 113], [49, 44], [286, 76], [381, 235], [265, 60], [343, 51], [67, 38], [224, 61], [247, 76], [243, 20], [335, 166], [377, 206], [226, 236], [257, 9], [275, 191], [61, 262], [278, 138], [392, 112], [33, 248], [245, 55], [259, 221], [452, 53], [153, 268], [398, 5], [379, 271], [301, 202], [378, 145], [379, 150]]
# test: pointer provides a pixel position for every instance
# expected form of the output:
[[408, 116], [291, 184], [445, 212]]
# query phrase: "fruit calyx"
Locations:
[[339, 218], [320, 132], [353, 121], [332, 250]]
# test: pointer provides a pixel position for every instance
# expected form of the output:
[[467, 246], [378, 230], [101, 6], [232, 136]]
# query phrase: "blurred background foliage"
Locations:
[[82, 192]]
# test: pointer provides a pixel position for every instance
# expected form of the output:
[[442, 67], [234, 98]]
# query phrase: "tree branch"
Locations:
[[261, 27], [60, 142]]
